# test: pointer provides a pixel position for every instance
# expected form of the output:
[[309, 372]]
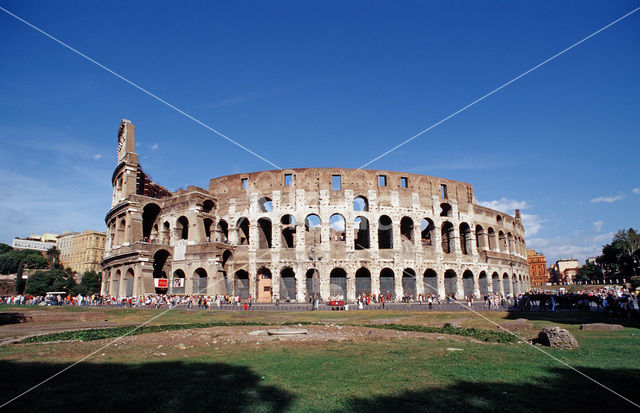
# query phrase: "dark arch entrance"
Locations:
[[338, 284], [409, 284], [363, 281], [430, 282], [450, 284], [387, 282], [287, 285]]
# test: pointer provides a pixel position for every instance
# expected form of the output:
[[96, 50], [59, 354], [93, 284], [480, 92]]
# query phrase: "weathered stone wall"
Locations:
[[264, 233]]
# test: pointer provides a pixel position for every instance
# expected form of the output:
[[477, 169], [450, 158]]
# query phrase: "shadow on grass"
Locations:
[[575, 317], [170, 386], [564, 391]]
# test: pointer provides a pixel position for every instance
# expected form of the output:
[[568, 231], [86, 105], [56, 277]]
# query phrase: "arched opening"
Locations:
[[492, 239], [207, 206], [406, 229], [360, 203], [387, 283], [480, 238], [200, 281], [467, 283], [362, 236], [495, 279], [150, 214], [161, 263], [129, 277], [288, 233], [309, 283], [447, 237], [409, 290], [265, 204], [337, 228], [208, 223], [445, 210], [363, 282], [510, 248], [499, 219], [222, 230], [242, 229], [385, 233], [426, 232], [450, 283], [430, 282], [241, 278], [182, 227], [166, 233], [226, 262], [264, 233], [312, 225], [115, 284], [265, 293], [506, 283], [465, 238], [502, 241], [287, 284], [483, 282], [122, 231], [178, 282], [338, 284]]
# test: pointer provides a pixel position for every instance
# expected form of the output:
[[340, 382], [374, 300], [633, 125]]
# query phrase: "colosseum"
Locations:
[[293, 233]]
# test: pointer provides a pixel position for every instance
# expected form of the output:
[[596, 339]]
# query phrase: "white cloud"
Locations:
[[97, 156], [505, 204], [155, 146], [597, 226], [532, 223], [578, 247], [608, 199], [636, 191]]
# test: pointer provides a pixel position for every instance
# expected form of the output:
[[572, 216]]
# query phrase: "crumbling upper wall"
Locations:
[[359, 181]]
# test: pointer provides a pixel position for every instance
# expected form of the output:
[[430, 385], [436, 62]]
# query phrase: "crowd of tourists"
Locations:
[[615, 300], [610, 299]]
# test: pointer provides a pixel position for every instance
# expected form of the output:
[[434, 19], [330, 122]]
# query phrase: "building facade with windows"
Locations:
[[289, 234], [538, 272], [87, 251]]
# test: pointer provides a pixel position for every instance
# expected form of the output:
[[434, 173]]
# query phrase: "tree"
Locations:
[[5, 248], [20, 282], [589, 272], [618, 257], [53, 255], [54, 279], [91, 283]]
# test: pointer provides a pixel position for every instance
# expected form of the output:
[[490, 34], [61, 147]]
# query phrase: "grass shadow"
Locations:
[[564, 391], [160, 386]]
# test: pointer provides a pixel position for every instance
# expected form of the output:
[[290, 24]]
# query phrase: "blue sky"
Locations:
[[311, 84]]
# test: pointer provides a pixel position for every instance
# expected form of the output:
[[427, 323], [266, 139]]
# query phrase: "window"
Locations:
[[245, 183], [404, 182], [288, 179], [336, 182], [382, 180], [443, 191]]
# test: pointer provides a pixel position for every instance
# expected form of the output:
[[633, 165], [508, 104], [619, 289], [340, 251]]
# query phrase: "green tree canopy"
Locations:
[[90, 284], [49, 280]]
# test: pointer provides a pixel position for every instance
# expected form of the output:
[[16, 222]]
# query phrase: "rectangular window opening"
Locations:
[[336, 182], [245, 183], [382, 180], [288, 179], [443, 191], [404, 182]]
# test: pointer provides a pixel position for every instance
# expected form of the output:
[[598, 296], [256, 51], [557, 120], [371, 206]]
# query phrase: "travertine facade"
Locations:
[[286, 233]]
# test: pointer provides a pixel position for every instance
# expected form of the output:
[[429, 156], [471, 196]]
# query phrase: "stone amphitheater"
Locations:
[[289, 234]]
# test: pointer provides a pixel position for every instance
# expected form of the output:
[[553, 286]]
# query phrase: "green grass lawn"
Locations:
[[395, 375]]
